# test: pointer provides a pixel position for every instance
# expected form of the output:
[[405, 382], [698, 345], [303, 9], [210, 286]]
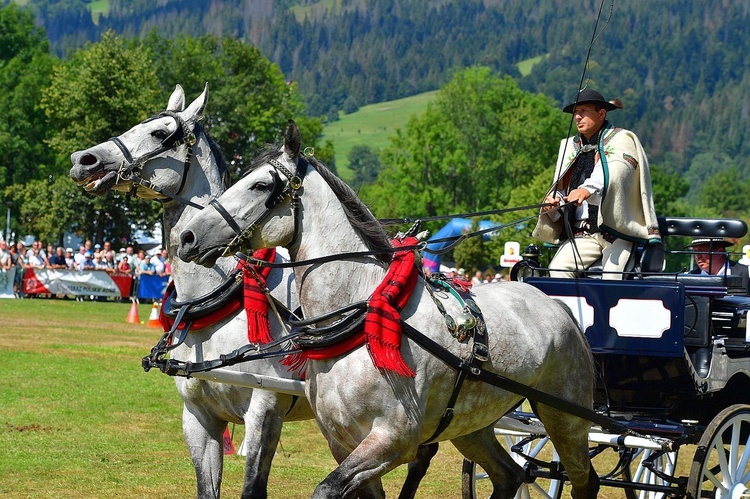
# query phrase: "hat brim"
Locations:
[[605, 104], [716, 244]]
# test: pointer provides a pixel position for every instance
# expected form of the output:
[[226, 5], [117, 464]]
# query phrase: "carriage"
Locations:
[[673, 365]]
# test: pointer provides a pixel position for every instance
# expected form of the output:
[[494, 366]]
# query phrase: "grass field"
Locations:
[[371, 126], [80, 419]]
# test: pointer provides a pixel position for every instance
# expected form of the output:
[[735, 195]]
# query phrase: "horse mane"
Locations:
[[357, 212], [359, 215], [218, 155]]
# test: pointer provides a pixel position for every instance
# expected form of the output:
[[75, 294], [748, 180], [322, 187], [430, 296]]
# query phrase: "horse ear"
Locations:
[[195, 110], [176, 100], [292, 139]]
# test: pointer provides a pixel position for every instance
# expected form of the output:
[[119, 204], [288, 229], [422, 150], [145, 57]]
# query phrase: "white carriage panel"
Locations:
[[640, 318], [582, 311]]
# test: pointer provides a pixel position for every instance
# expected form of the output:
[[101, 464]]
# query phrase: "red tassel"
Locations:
[[256, 301]]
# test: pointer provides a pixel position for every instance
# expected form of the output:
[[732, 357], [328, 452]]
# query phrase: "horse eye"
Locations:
[[261, 185], [159, 134]]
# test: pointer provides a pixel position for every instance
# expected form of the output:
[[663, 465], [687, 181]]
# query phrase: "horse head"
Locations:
[[239, 219], [152, 159]]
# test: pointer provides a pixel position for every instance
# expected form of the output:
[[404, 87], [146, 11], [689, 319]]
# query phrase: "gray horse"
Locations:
[[375, 420]]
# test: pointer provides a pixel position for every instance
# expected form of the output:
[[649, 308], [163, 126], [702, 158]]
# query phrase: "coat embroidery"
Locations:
[[631, 160]]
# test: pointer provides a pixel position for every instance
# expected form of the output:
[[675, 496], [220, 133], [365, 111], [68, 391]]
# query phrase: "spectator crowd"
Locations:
[[86, 257]]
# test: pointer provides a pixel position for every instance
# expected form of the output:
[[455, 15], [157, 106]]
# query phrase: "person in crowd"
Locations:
[[109, 261], [5, 260], [139, 258], [80, 257], [87, 263], [69, 259], [99, 262], [602, 180], [124, 266], [121, 254], [57, 260], [159, 261], [146, 267], [711, 258], [167, 266], [478, 278], [35, 260], [14, 263]]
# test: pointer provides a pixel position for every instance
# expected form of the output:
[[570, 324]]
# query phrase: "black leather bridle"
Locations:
[[282, 190], [131, 168]]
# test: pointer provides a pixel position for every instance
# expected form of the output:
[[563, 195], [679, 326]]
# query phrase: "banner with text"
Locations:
[[76, 282]]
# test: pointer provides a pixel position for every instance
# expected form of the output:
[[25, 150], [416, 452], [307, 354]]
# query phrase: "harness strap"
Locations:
[[478, 374], [225, 215]]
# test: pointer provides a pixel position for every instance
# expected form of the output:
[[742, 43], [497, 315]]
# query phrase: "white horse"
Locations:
[[208, 406], [375, 420], [161, 166]]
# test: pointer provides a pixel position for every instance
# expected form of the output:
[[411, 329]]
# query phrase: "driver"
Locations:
[[602, 178]]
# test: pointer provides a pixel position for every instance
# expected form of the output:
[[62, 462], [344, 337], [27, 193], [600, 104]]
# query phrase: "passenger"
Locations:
[[602, 174], [711, 259]]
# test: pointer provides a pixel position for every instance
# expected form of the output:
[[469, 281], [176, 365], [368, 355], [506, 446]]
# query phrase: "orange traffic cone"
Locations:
[[153, 319], [133, 314]]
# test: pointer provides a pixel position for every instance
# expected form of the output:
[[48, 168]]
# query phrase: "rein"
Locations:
[[355, 254], [131, 168]]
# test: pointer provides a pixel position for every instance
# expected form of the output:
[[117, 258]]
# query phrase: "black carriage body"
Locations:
[[664, 351]]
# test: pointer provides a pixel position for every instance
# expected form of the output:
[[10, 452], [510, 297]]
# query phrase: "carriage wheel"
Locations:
[[665, 463], [721, 466], [476, 483]]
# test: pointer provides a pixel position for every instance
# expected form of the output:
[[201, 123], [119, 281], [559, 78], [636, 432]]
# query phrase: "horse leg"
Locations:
[[570, 435], [358, 475], [372, 490], [204, 439], [417, 470], [484, 449], [263, 422]]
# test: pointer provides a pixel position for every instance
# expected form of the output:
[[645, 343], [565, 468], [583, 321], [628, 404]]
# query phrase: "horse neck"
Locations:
[[202, 184], [328, 231]]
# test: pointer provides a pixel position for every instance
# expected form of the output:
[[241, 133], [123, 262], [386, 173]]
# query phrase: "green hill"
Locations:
[[371, 126]]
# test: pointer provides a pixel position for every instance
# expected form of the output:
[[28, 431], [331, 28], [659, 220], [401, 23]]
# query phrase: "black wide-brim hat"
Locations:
[[588, 96]]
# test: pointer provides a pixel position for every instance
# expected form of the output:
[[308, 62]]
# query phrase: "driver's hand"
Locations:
[[578, 196]]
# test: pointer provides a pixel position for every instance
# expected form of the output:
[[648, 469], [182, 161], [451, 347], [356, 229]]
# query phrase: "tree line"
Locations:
[[52, 107]]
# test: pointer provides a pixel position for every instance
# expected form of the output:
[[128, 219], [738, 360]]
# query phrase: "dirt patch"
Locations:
[[33, 427]]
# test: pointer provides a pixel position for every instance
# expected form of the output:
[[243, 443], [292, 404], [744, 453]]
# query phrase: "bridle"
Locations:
[[281, 190], [132, 168]]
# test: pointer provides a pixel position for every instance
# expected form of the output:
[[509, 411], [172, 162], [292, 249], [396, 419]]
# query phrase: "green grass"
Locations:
[[371, 126], [525, 66], [80, 419], [98, 8]]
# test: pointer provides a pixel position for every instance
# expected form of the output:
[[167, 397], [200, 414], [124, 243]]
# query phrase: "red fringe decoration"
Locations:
[[383, 320], [256, 301]]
